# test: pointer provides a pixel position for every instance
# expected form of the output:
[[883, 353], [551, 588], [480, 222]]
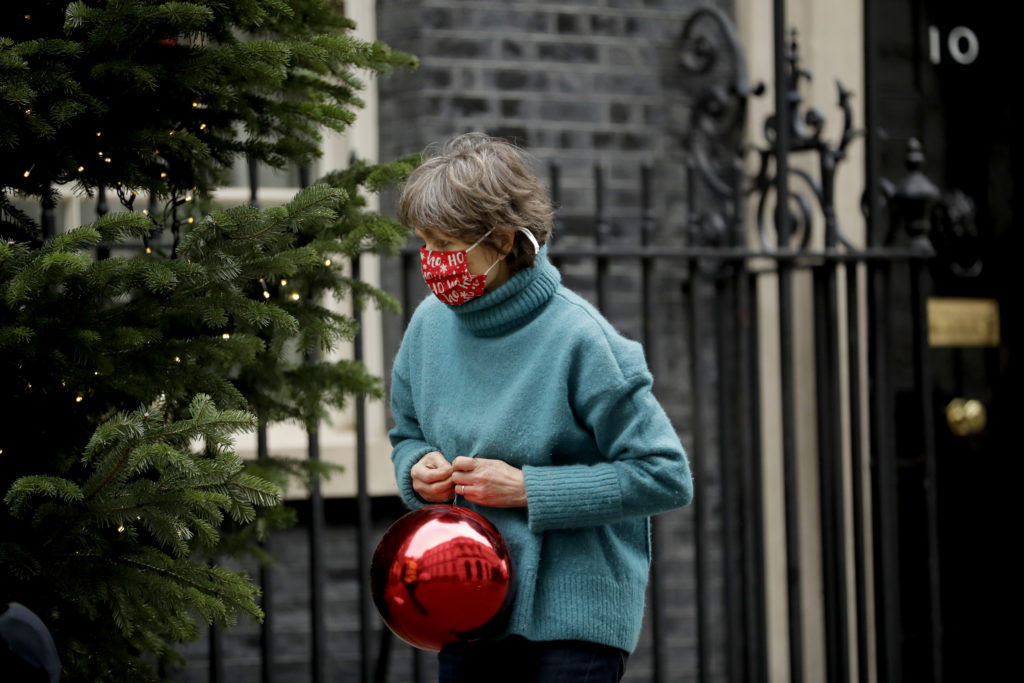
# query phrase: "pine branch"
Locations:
[[24, 489]]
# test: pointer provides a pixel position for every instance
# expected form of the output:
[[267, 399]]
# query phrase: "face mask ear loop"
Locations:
[[479, 240], [533, 240], [496, 262]]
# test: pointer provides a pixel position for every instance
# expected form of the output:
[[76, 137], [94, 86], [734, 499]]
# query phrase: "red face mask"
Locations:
[[447, 274]]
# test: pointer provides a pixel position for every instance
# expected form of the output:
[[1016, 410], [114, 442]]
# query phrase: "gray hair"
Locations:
[[475, 183]]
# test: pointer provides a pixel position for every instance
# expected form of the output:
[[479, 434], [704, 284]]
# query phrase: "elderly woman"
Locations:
[[516, 394]]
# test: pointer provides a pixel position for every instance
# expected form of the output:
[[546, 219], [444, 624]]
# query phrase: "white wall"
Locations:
[[830, 39]]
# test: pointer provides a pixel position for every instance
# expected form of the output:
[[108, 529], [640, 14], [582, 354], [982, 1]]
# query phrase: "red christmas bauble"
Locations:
[[441, 574]]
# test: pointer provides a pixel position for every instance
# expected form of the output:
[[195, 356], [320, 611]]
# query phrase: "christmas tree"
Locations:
[[133, 348]]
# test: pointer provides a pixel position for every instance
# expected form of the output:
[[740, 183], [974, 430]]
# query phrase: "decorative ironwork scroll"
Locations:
[[711, 54], [805, 128]]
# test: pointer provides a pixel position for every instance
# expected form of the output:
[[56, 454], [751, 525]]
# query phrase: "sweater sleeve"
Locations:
[[645, 469], [408, 444]]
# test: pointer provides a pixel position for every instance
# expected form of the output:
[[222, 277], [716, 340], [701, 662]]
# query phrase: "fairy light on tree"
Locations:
[[128, 354]]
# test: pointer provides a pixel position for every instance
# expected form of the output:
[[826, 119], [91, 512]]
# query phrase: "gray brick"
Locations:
[[625, 83], [469, 106], [467, 78], [568, 110], [510, 21], [606, 24], [515, 134], [568, 23], [437, 17], [568, 52], [511, 109], [602, 140], [436, 77], [631, 55], [573, 82], [508, 80], [512, 49], [460, 48], [619, 112]]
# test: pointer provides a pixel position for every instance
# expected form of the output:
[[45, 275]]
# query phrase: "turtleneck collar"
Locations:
[[514, 303]]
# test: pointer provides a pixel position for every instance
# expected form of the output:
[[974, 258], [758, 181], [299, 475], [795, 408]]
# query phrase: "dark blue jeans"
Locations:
[[517, 660]]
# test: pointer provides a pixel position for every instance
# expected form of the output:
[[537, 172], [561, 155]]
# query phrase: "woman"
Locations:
[[515, 394]]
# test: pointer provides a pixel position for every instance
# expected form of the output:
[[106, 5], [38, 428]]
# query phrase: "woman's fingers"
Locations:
[[489, 482], [431, 478], [463, 464]]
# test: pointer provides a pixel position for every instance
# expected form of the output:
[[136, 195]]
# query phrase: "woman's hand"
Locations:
[[432, 478], [493, 483]]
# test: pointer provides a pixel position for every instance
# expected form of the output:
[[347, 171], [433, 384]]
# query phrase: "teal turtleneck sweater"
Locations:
[[532, 374]]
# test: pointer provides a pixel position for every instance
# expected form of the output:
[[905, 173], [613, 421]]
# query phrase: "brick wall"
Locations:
[[576, 81]]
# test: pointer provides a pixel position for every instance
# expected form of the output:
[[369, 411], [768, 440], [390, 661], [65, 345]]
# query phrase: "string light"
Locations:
[[28, 111], [191, 220], [327, 262], [177, 359], [296, 296], [284, 283], [202, 126], [148, 250], [195, 104], [107, 159], [188, 198], [81, 168], [99, 133], [263, 284], [266, 294], [163, 174], [78, 399], [27, 173], [120, 529], [145, 212], [100, 154], [226, 335]]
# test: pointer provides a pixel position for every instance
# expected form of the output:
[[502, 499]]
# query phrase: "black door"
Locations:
[[949, 73]]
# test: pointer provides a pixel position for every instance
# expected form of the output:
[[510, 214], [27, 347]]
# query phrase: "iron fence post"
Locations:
[[267, 644], [912, 201], [786, 366]]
